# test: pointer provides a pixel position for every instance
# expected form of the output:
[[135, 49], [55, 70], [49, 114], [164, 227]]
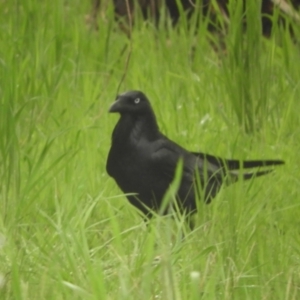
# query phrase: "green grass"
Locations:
[[66, 230]]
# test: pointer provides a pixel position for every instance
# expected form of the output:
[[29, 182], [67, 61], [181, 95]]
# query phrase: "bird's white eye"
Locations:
[[137, 100]]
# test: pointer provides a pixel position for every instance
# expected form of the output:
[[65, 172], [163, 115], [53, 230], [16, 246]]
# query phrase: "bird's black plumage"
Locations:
[[143, 161]]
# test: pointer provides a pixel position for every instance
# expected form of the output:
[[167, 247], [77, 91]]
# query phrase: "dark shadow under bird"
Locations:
[[143, 161]]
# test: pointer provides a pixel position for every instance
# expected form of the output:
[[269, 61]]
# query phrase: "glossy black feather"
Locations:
[[234, 164], [143, 161]]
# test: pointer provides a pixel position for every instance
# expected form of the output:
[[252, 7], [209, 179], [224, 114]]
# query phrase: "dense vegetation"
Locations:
[[67, 232]]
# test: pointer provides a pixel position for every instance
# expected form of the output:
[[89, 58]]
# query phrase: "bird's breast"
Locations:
[[133, 170]]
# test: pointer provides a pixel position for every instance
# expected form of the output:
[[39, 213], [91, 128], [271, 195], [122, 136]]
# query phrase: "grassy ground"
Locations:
[[67, 232]]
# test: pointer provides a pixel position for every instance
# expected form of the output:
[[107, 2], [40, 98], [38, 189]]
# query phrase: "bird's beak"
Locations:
[[115, 107]]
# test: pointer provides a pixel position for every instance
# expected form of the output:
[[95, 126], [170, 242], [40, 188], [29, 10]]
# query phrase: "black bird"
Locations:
[[143, 161]]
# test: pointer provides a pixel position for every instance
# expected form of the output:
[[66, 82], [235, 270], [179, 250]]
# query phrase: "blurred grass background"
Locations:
[[67, 232]]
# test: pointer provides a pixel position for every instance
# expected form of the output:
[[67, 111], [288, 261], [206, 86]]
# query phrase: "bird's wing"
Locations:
[[167, 153], [165, 156]]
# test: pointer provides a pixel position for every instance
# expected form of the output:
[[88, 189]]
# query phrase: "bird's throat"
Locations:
[[131, 129]]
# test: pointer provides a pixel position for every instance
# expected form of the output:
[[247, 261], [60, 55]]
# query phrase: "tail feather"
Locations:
[[234, 164], [247, 164], [247, 176]]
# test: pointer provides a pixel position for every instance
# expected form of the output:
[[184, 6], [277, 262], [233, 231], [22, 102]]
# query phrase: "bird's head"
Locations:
[[131, 102]]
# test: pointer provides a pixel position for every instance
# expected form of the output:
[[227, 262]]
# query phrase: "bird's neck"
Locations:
[[133, 128]]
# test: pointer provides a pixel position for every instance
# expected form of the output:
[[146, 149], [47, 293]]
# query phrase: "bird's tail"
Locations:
[[250, 175], [234, 164]]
